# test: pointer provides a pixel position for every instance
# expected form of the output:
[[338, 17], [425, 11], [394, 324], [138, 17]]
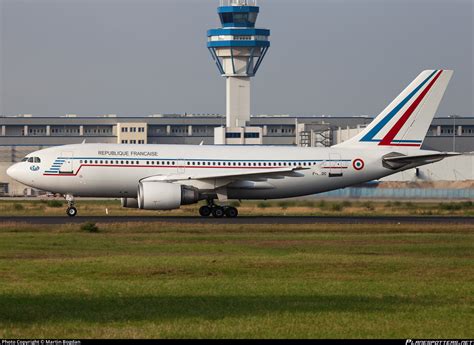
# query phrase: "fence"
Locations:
[[408, 193]]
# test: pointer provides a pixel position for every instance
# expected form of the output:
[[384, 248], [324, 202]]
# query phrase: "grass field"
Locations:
[[176, 281], [308, 207]]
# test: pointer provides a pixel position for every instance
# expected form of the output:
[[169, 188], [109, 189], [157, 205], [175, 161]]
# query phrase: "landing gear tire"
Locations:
[[231, 212], [218, 212], [205, 211], [71, 211]]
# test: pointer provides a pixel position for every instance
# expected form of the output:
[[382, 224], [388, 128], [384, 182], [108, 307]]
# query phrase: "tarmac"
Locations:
[[263, 220]]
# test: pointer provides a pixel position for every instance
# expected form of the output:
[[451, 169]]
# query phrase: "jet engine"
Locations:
[[129, 203], [165, 196]]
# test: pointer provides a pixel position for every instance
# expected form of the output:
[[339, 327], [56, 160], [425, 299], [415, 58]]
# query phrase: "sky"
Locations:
[[142, 57]]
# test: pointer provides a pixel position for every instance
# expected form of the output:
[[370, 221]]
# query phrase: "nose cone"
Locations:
[[18, 173], [13, 171], [22, 173]]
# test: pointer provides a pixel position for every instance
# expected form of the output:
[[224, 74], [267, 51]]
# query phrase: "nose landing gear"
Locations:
[[218, 211], [71, 210]]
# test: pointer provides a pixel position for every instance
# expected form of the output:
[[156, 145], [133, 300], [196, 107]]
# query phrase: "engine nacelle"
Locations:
[[165, 196], [129, 202]]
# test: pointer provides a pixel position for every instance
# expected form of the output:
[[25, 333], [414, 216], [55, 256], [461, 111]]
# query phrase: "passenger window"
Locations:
[[30, 160]]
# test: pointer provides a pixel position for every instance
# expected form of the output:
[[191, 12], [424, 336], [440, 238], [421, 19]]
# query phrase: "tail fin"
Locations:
[[407, 119]]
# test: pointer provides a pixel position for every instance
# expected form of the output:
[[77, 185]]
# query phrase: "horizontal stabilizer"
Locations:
[[396, 160]]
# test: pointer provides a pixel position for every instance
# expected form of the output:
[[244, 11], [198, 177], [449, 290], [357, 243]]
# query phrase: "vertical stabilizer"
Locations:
[[407, 119]]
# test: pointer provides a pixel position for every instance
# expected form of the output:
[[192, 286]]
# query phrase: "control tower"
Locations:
[[238, 49]]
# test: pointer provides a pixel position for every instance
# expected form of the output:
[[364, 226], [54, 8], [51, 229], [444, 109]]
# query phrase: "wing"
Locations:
[[214, 180]]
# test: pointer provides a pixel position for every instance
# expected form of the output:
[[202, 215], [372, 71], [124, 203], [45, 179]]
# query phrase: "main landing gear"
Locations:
[[71, 210], [218, 211]]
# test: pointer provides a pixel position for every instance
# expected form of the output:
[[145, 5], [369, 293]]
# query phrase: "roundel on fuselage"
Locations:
[[358, 164]]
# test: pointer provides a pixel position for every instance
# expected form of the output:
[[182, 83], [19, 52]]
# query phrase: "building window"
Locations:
[[252, 135], [233, 135], [124, 141], [124, 129]]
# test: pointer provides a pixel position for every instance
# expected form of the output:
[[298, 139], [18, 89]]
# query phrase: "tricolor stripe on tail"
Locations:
[[406, 120]]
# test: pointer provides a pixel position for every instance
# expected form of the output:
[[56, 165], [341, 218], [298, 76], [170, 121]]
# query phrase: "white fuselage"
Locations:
[[112, 170]]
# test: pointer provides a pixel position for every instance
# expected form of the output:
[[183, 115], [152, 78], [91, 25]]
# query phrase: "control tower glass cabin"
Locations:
[[238, 49]]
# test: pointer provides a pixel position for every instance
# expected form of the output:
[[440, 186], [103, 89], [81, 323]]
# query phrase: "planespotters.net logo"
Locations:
[[439, 342]]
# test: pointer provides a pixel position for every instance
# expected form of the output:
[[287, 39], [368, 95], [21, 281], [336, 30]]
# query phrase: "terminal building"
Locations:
[[23, 134]]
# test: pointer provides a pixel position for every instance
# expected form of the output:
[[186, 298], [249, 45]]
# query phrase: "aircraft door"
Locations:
[[67, 165], [181, 167], [335, 165]]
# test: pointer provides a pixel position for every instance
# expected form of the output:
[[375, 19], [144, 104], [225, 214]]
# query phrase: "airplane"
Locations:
[[165, 177]]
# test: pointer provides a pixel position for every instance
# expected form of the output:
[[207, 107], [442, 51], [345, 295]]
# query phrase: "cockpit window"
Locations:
[[32, 159]]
